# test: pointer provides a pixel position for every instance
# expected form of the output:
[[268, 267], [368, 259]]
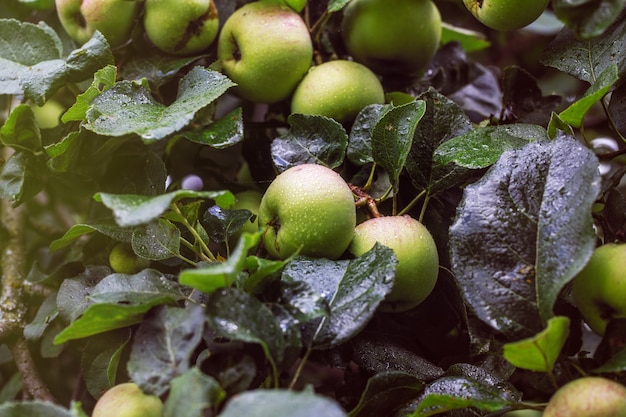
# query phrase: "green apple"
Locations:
[[266, 49], [599, 290], [339, 89], [127, 400], [588, 397], [124, 261], [506, 14], [416, 251], [395, 37], [113, 18], [48, 115], [309, 208], [248, 200], [181, 27]]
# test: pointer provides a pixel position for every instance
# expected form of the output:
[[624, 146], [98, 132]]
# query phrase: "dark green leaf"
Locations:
[[33, 409], [163, 346], [443, 120], [101, 358], [72, 296], [221, 224], [220, 134], [261, 271], [46, 313], [353, 289], [191, 393], [540, 352], [128, 107], [359, 150], [617, 363], [523, 231], [385, 392], [588, 18], [111, 230], [157, 240], [281, 403], [311, 139], [302, 301], [19, 177], [20, 130], [392, 137], [133, 210], [482, 146], [158, 69]]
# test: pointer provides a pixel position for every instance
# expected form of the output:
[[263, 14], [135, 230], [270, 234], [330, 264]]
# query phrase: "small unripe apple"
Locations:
[[395, 37], [588, 397], [599, 290], [181, 27], [113, 18], [338, 89], [506, 14], [124, 261], [416, 251], [309, 208], [266, 49], [127, 400]]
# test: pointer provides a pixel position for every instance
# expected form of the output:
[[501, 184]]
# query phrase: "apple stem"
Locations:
[[363, 199]]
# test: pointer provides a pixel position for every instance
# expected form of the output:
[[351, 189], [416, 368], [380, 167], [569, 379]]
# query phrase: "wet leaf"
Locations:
[[33, 409], [101, 358], [20, 130], [157, 240], [281, 403], [191, 394], [359, 149], [386, 391], [220, 134]]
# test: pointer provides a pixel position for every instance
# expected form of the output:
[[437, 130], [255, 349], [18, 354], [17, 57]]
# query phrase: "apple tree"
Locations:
[[158, 255]]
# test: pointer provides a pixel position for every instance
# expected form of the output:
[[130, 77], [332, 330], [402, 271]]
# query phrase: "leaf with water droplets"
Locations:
[[128, 107], [523, 231]]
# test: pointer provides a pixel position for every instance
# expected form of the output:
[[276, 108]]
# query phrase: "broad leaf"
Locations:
[[540, 352], [33, 409], [223, 133], [128, 107], [386, 391], [192, 393], [359, 149], [588, 18], [110, 230], [523, 231], [157, 240], [19, 177], [281, 403], [163, 345], [103, 79], [311, 139], [101, 358], [21, 131]]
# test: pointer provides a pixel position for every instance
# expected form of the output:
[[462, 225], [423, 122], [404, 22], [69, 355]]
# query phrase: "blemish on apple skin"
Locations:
[[80, 19]]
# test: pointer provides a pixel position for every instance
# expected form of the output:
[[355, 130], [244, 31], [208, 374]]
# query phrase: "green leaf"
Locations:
[[617, 363], [261, 271], [218, 275], [120, 300], [46, 313], [192, 393], [158, 68], [222, 133], [101, 358], [157, 240], [392, 137], [222, 224], [588, 19], [311, 139], [19, 177], [540, 352], [523, 231], [281, 403], [353, 289], [33, 409], [103, 79], [359, 149], [482, 146], [128, 107], [385, 392], [470, 41], [434, 404], [110, 230], [336, 5], [576, 112], [163, 345], [133, 210], [20, 130]]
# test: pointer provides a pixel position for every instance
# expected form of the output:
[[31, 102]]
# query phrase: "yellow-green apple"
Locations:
[[127, 400], [181, 27], [588, 397], [599, 290], [395, 37], [266, 49], [339, 89], [416, 251], [123, 260], [113, 18], [307, 208], [506, 14]]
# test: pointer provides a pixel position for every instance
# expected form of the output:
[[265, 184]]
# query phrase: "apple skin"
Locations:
[[127, 400], [266, 49], [404, 47], [113, 18], [505, 15], [181, 27], [416, 251], [599, 289], [588, 397], [124, 261], [338, 89], [307, 207]]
